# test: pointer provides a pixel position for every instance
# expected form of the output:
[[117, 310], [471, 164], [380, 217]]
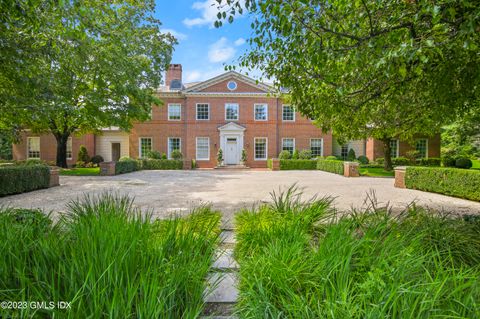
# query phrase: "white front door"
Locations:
[[231, 151]]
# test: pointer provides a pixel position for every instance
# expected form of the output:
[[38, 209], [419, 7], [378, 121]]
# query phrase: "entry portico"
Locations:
[[231, 142]]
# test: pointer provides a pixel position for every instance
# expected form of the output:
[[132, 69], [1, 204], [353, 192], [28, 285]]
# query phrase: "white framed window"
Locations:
[[203, 111], [69, 147], [316, 147], [261, 148], [203, 149], [144, 146], [174, 143], [288, 113], [174, 112], [394, 148], [344, 151], [261, 112], [33, 147], [288, 144], [231, 112], [421, 146]]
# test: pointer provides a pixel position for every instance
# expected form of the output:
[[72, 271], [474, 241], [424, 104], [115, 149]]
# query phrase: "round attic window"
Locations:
[[232, 85]]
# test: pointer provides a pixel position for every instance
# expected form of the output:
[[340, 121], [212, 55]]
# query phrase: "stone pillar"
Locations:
[[187, 164], [350, 169], [275, 164], [107, 168], [54, 178], [400, 176]]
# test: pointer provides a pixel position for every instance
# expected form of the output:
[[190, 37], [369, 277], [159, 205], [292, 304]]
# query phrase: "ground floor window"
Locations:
[[203, 148], [288, 144], [174, 143], [69, 148], [145, 146], [33, 147], [316, 147], [261, 148], [344, 151], [393, 148], [421, 146]]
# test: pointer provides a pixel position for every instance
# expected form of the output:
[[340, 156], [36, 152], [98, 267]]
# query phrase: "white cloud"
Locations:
[[221, 51], [192, 76], [202, 74], [176, 34], [208, 10], [239, 42]]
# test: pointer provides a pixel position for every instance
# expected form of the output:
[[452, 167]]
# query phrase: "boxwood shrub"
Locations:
[[449, 181], [127, 165], [162, 164], [298, 164], [431, 161], [332, 166], [16, 179]]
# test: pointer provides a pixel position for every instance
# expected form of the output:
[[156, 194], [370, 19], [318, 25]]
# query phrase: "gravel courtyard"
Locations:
[[164, 192]]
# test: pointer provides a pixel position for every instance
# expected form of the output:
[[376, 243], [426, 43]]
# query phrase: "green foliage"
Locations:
[[295, 154], [431, 161], [269, 163], [462, 137], [127, 165], [305, 154], [332, 166], [375, 171], [80, 164], [93, 171], [162, 164], [331, 158], [285, 155], [398, 161], [83, 154], [154, 154], [164, 156], [463, 162], [294, 254], [448, 161], [351, 155], [111, 258], [5, 146], [363, 159], [16, 179], [244, 155], [96, 159], [449, 181], [219, 157], [176, 155], [299, 164]]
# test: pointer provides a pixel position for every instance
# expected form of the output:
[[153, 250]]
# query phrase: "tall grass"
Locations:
[[107, 260], [301, 260]]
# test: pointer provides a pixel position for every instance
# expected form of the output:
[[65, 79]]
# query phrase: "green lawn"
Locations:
[[476, 164], [376, 172], [92, 171]]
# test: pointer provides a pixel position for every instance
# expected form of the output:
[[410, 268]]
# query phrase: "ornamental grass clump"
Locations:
[[302, 260], [107, 260]]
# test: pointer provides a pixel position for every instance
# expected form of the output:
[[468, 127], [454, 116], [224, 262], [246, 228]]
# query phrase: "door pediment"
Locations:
[[232, 127]]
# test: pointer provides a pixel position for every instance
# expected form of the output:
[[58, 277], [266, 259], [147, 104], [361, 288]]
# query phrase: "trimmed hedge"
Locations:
[[162, 164], [127, 165], [332, 166], [298, 164], [23, 178], [449, 181]]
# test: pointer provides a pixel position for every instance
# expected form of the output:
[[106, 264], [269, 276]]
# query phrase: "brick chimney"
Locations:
[[174, 72]]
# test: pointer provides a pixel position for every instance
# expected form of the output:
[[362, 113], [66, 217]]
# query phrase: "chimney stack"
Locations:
[[174, 72]]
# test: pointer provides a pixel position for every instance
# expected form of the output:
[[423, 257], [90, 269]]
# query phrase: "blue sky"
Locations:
[[203, 50]]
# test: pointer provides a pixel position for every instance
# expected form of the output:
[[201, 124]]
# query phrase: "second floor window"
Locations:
[[261, 112], [288, 113], [231, 111], [174, 112], [203, 111]]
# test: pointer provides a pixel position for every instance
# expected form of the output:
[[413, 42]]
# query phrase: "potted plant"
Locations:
[[220, 157], [244, 157]]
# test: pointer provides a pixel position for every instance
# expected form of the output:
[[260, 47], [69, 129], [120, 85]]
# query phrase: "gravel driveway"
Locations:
[[165, 192]]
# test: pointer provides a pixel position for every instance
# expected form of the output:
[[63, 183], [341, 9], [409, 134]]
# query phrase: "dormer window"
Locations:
[[232, 85]]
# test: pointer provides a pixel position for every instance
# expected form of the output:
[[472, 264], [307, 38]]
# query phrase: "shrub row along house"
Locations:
[[231, 112]]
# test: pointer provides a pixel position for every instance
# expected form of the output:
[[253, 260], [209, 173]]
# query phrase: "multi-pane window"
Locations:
[[394, 148], [174, 112], [288, 144], [288, 113], [145, 146], [203, 111], [260, 148], [421, 146], [203, 148], [33, 147], [174, 143], [316, 147], [344, 151], [69, 148], [261, 112], [231, 111]]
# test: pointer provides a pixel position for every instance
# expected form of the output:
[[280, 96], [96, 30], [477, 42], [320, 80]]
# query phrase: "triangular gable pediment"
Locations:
[[231, 127], [217, 84]]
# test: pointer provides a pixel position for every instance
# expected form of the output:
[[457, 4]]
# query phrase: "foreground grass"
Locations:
[[106, 260], [376, 172], [91, 171], [300, 260]]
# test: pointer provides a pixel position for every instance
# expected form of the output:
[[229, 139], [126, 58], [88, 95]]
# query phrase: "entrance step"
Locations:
[[227, 167]]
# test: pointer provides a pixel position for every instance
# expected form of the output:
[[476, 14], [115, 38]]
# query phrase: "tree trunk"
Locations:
[[387, 164], [62, 149]]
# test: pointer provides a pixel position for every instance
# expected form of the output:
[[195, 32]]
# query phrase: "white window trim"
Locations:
[[168, 114], [294, 113], [196, 111], [255, 109], [426, 145], [254, 149], [196, 149], [168, 145], [71, 153], [238, 111], [321, 144], [289, 138], [140, 144], [28, 149], [397, 153]]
